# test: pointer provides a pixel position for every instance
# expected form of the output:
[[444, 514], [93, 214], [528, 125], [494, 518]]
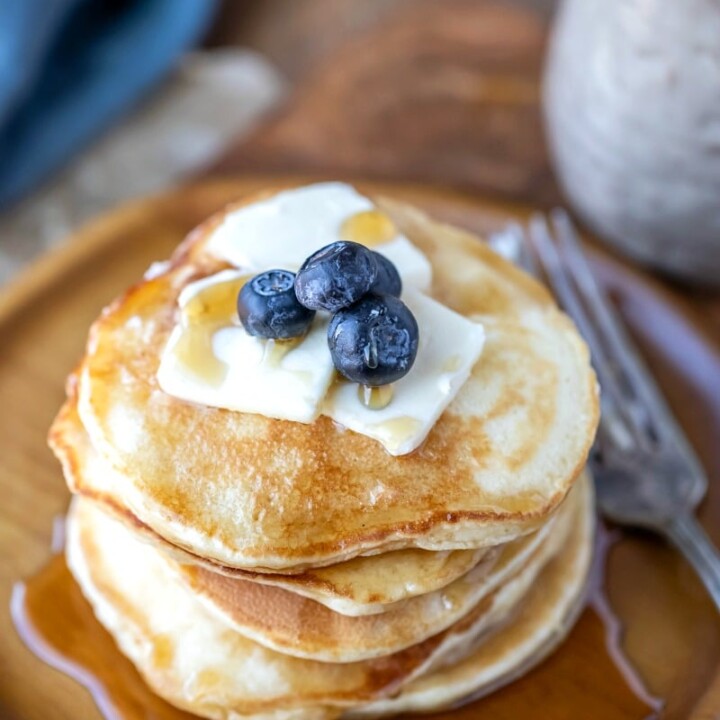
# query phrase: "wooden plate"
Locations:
[[672, 631]]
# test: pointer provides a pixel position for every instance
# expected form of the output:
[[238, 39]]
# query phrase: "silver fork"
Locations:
[[647, 475]]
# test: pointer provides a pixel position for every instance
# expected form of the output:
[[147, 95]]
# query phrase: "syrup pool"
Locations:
[[57, 624]]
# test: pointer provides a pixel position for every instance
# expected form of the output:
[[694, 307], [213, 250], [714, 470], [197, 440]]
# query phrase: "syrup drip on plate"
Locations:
[[58, 625], [598, 601]]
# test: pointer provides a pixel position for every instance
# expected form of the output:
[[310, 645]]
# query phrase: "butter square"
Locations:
[[279, 379], [449, 347]]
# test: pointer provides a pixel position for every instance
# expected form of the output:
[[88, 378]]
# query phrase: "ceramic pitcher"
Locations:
[[632, 110]]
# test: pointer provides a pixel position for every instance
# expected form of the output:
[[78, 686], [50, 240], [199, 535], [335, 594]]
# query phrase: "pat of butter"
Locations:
[[414, 268], [282, 231], [450, 345], [228, 368]]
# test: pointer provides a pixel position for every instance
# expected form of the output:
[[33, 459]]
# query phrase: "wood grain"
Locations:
[[446, 92], [672, 628]]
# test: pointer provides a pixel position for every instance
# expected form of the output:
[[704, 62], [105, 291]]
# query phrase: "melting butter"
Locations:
[[194, 352], [213, 306], [276, 350], [210, 358], [375, 398], [215, 303]]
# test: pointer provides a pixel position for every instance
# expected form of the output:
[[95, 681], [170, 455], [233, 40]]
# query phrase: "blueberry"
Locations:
[[388, 279], [268, 308], [374, 341], [336, 276]]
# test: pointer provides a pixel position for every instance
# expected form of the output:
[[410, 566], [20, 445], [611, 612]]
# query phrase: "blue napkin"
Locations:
[[68, 68]]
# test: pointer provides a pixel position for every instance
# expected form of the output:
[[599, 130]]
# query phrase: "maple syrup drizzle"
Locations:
[[56, 623], [276, 350], [598, 601], [212, 308], [375, 398], [369, 228]]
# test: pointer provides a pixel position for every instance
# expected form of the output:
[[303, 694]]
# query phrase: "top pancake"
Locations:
[[361, 586], [253, 492]]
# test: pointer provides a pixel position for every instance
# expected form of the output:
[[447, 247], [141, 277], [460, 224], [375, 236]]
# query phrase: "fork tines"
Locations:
[[635, 413]]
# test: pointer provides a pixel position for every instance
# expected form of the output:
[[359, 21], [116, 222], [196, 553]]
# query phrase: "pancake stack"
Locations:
[[255, 567]]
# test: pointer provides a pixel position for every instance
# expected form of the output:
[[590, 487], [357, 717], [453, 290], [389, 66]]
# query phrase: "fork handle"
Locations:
[[689, 537]]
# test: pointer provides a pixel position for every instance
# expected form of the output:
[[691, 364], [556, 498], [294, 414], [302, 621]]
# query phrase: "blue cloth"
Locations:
[[68, 68]]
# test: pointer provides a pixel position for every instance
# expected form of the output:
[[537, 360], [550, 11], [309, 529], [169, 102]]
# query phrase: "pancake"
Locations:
[[544, 619], [362, 586], [285, 622], [250, 492], [192, 659]]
